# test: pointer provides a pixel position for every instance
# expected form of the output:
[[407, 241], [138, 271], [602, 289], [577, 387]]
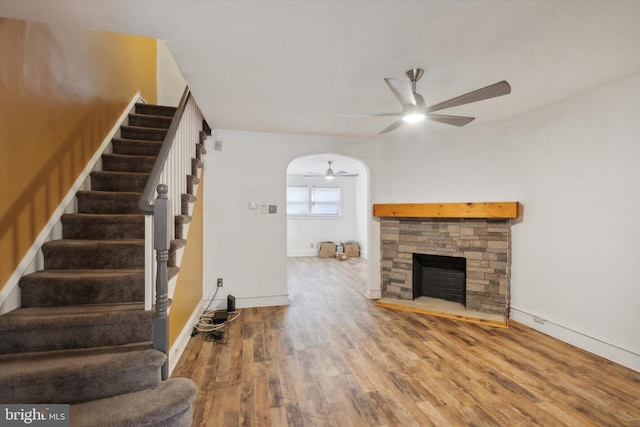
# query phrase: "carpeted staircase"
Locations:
[[82, 335]]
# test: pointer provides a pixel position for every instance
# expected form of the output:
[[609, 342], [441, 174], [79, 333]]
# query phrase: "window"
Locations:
[[313, 201], [297, 200]]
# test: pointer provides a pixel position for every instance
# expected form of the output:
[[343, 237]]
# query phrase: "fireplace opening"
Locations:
[[441, 277]]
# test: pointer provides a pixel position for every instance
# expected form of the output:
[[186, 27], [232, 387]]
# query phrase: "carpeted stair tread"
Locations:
[[127, 163], [183, 219], [135, 147], [67, 254], [156, 110], [180, 222], [143, 133], [185, 202], [97, 226], [78, 375], [200, 150], [73, 287], [48, 288], [108, 202], [168, 405], [150, 120], [195, 166], [118, 181], [55, 328], [43, 356], [192, 181], [72, 315], [174, 245]]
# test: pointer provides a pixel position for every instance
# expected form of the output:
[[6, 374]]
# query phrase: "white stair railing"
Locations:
[[169, 179]]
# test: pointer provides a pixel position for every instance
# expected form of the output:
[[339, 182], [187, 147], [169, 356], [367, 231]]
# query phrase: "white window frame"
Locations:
[[311, 203]]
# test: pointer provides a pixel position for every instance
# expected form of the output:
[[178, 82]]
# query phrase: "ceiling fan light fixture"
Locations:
[[328, 175], [414, 117]]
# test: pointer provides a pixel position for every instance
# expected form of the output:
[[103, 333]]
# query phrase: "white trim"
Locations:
[[180, 344], [149, 264], [246, 302], [591, 344], [11, 285], [306, 252], [374, 294]]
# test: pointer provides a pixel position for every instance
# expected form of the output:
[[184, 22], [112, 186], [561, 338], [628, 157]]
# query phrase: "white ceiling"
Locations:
[[290, 66]]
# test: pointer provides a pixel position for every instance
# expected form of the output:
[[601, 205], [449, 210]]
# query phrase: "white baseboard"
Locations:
[[178, 347], [308, 252], [314, 252], [593, 345], [9, 294], [248, 302], [374, 294]]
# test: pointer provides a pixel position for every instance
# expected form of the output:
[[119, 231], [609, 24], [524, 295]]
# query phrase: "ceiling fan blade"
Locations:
[[450, 120], [491, 91], [402, 90], [371, 115], [392, 126]]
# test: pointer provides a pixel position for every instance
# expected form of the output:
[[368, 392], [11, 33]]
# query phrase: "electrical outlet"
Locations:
[[219, 282], [311, 244], [538, 320]]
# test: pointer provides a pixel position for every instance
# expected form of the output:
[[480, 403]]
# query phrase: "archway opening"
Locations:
[[327, 210]]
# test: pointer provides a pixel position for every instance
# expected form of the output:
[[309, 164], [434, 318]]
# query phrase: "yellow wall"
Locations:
[[188, 293], [61, 91]]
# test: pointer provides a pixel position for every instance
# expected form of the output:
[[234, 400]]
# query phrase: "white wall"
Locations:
[[575, 166], [244, 247], [304, 231], [170, 82], [363, 212]]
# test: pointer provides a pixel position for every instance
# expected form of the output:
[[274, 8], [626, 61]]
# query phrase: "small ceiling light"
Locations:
[[328, 175], [414, 117]]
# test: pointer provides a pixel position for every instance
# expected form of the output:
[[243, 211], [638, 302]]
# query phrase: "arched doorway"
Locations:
[[306, 227]]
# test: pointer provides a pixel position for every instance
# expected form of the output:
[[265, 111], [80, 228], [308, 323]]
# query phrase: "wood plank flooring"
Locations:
[[332, 358]]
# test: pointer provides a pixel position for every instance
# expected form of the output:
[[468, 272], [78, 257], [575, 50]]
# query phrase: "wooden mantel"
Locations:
[[447, 210]]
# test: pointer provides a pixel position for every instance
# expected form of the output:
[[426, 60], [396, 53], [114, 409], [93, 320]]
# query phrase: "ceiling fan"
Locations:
[[329, 174], [413, 106]]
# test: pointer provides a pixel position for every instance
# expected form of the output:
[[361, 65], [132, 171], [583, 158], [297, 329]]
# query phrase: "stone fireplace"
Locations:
[[473, 249]]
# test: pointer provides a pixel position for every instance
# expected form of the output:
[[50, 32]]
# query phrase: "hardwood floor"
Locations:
[[332, 358]]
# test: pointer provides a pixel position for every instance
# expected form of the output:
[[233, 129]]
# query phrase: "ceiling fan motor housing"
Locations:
[[414, 75]]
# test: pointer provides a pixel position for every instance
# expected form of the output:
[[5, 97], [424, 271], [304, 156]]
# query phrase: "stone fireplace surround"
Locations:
[[485, 242]]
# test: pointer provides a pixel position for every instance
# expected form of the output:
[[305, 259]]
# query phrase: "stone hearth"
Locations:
[[483, 242]]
